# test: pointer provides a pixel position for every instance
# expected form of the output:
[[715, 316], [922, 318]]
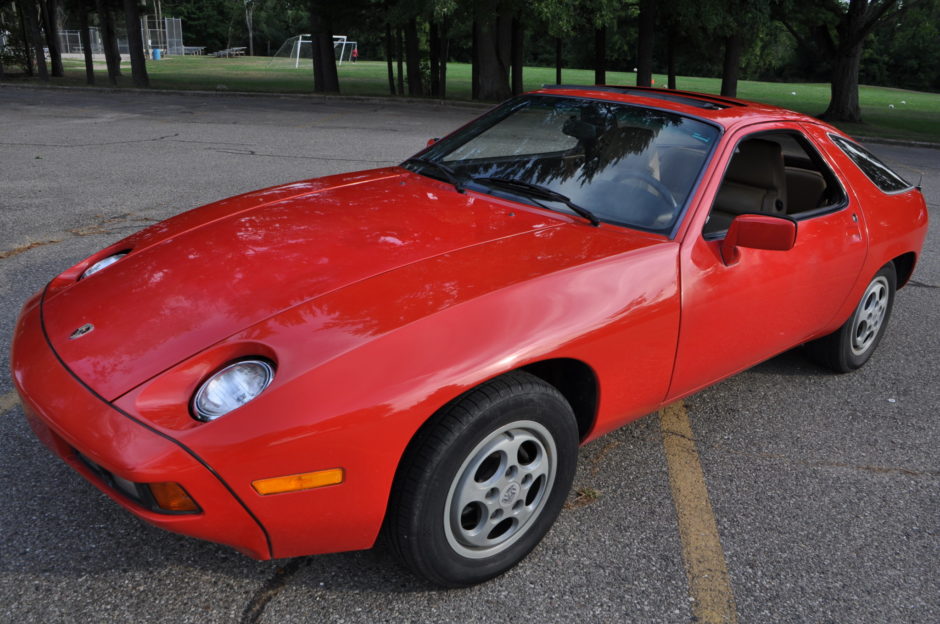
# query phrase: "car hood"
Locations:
[[198, 278]]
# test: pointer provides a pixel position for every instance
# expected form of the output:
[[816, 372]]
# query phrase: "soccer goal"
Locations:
[[299, 48]]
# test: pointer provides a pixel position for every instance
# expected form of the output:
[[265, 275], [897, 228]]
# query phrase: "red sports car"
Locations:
[[423, 348]]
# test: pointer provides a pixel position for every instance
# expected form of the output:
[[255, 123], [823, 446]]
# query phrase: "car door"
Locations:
[[736, 315]]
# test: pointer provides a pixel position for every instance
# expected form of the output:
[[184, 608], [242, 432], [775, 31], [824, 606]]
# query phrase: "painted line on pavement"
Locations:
[[704, 559]]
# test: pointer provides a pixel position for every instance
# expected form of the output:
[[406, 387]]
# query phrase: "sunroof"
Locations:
[[679, 97]]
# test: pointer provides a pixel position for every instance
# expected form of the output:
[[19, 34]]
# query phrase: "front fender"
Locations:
[[390, 351]]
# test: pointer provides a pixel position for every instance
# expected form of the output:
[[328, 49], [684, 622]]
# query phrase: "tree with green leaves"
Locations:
[[905, 52], [17, 48], [837, 30], [562, 20]]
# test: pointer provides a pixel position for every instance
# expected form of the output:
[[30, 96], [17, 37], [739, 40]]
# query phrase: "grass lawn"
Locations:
[[915, 115]]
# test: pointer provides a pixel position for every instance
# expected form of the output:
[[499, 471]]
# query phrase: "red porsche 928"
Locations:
[[421, 349]]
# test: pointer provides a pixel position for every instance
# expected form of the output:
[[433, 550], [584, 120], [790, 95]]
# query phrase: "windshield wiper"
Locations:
[[537, 191], [448, 173]]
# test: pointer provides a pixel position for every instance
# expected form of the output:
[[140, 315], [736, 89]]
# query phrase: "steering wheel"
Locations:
[[655, 189]]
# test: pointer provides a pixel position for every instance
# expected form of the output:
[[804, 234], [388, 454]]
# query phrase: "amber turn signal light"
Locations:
[[171, 496], [294, 483]]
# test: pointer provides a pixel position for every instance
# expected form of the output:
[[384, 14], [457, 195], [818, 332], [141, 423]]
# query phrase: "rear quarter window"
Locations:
[[879, 173]]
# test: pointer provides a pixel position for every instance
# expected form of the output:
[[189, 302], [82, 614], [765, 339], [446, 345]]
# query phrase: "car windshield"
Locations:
[[624, 164]]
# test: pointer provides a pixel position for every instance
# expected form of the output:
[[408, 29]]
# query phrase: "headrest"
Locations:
[[758, 163]]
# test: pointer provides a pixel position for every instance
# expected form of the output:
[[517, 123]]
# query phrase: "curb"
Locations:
[[901, 142], [405, 100]]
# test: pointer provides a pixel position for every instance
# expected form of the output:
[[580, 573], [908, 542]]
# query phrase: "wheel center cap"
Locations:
[[509, 494]]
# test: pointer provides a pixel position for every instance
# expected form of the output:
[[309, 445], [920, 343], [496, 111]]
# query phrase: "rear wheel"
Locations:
[[483, 482], [849, 347]]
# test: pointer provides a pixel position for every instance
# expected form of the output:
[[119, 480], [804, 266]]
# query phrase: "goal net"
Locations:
[[297, 51]]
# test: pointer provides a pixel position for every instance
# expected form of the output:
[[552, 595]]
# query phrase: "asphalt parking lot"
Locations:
[[825, 489]]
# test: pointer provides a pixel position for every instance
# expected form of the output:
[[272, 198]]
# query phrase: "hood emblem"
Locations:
[[87, 328]]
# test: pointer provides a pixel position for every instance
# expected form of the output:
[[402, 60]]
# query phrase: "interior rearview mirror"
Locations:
[[580, 130]]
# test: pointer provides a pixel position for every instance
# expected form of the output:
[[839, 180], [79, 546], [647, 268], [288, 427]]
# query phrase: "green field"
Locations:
[[915, 115]]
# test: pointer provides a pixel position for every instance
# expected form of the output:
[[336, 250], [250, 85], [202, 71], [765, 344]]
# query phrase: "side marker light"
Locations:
[[297, 482]]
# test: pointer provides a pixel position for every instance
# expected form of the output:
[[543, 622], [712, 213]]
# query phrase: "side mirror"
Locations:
[[758, 231], [431, 142]]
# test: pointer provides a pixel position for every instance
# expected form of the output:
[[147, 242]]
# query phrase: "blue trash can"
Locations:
[[157, 53]]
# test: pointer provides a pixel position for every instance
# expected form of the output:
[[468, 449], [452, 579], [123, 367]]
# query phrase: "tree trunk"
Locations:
[[24, 32], [445, 55], [600, 56], [671, 60], [85, 35], [400, 55], [504, 43], [413, 58], [434, 54], [729, 73], [325, 78], [328, 59], [35, 37], [108, 39], [475, 61], [493, 77], [249, 23], [843, 105], [558, 60], [517, 56], [50, 19], [644, 52], [389, 57], [135, 44]]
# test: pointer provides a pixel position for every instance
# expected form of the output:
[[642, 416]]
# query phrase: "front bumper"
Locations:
[[109, 447]]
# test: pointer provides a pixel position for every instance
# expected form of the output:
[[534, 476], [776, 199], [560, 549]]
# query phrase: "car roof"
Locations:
[[727, 112]]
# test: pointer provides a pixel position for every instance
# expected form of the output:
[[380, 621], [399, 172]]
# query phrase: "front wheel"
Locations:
[[849, 347], [483, 482]]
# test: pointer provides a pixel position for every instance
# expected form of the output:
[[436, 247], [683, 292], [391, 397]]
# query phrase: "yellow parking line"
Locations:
[[8, 401], [705, 567]]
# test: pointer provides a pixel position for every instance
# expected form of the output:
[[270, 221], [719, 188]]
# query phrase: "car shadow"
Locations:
[[793, 363]]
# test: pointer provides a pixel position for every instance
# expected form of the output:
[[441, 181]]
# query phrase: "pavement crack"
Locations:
[[282, 575], [892, 470], [150, 140], [205, 142], [24, 248], [102, 225], [107, 225], [678, 435], [251, 152], [921, 284], [598, 457]]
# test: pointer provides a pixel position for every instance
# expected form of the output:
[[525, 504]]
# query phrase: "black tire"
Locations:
[[483, 481], [850, 346]]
